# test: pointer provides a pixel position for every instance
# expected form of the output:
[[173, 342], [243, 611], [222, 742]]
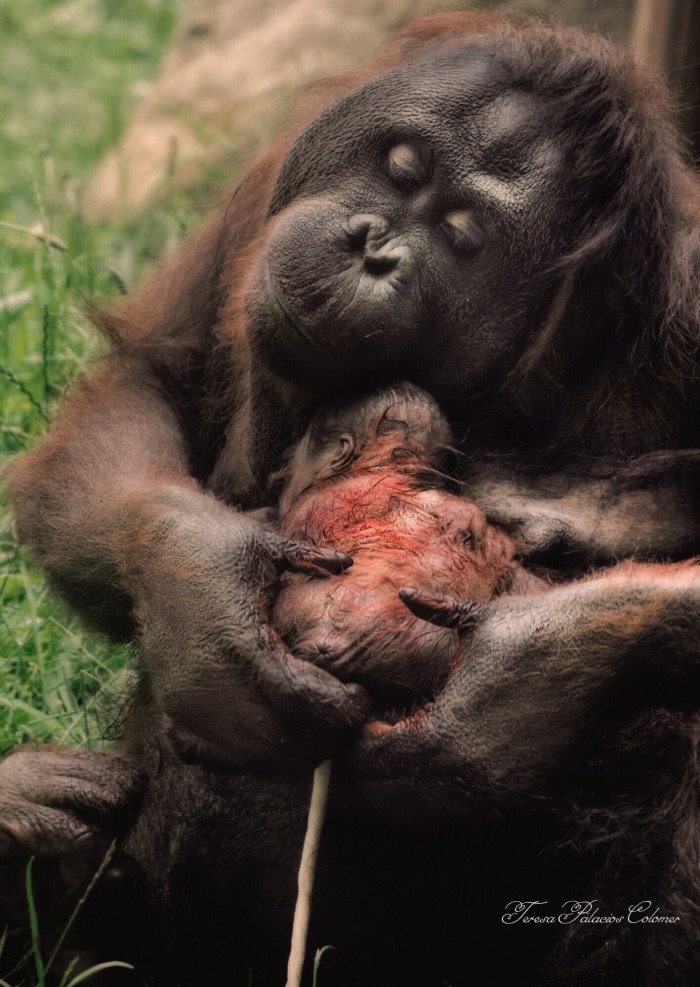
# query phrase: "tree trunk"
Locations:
[[667, 33]]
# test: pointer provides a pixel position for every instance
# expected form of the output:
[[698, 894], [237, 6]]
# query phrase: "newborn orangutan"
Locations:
[[366, 479]]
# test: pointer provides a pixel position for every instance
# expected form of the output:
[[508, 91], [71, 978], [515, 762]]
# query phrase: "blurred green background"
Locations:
[[71, 74]]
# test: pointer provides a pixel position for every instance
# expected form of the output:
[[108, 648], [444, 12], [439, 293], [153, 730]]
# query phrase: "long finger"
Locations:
[[39, 831], [397, 750], [95, 782], [442, 610], [308, 693], [295, 556]]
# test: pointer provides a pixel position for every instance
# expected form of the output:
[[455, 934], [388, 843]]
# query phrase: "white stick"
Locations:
[[307, 872]]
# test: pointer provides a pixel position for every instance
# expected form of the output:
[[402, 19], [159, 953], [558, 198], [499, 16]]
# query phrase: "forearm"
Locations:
[[536, 671], [537, 681], [570, 520], [91, 492]]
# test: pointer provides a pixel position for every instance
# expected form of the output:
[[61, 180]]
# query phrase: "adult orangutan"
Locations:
[[497, 210]]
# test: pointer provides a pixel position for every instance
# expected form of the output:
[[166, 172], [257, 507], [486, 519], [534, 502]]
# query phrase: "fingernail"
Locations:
[[377, 729]]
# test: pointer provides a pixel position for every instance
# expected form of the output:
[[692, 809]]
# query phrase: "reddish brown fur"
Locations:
[[400, 531], [117, 504], [246, 210]]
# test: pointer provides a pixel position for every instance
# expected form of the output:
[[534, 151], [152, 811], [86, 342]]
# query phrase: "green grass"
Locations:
[[72, 72], [39, 961]]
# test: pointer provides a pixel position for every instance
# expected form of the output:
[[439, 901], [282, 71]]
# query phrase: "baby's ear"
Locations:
[[343, 452], [318, 455]]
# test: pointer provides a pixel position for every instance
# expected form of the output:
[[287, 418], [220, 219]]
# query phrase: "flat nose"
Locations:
[[380, 253], [363, 229]]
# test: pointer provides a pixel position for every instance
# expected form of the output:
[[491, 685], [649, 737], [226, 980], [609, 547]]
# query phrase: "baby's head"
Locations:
[[400, 425]]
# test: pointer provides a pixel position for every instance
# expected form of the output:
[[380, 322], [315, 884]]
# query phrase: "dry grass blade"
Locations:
[[38, 232], [307, 872]]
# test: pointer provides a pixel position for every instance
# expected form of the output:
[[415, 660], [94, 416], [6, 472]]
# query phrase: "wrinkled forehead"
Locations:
[[468, 101], [450, 85]]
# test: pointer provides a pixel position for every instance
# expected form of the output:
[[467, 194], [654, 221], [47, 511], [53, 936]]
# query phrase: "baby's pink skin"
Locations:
[[399, 534]]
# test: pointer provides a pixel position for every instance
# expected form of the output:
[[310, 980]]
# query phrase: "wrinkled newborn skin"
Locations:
[[366, 480]]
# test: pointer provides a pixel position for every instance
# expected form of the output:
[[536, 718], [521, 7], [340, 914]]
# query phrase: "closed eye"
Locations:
[[466, 537], [405, 167], [464, 230]]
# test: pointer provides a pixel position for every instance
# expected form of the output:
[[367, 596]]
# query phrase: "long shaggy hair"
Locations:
[[629, 276]]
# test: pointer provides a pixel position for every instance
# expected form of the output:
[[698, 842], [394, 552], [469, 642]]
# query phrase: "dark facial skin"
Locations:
[[366, 480], [494, 208], [447, 189]]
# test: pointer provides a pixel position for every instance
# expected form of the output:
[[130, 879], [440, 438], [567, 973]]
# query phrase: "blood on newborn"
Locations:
[[368, 479]]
